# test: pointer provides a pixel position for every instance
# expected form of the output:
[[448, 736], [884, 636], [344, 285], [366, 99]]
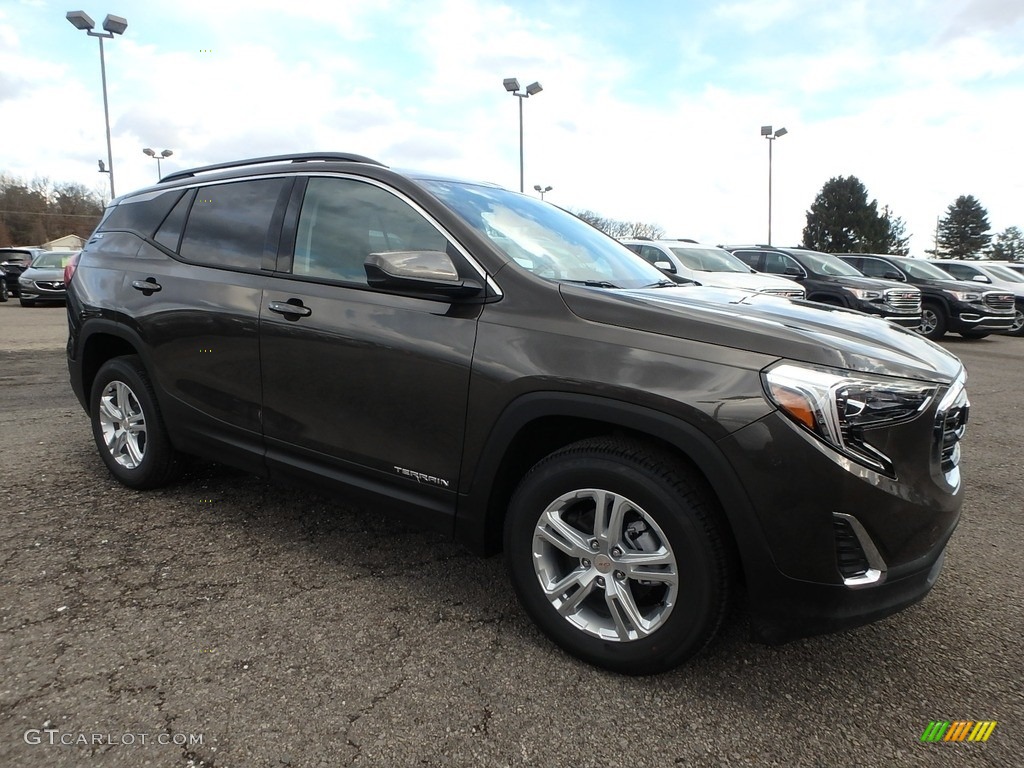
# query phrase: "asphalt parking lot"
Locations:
[[228, 622]]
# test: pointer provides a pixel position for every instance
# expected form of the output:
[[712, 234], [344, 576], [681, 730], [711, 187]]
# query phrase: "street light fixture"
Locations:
[[112, 25], [512, 86], [766, 131], [152, 153], [542, 190]]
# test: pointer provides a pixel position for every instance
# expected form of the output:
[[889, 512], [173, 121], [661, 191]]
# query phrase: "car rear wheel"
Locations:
[[620, 555], [127, 425], [933, 322]]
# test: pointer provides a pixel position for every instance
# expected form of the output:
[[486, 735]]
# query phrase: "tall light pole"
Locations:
[[766, 131], [113, 25], [512, 86], [542, 190], [152, 153]]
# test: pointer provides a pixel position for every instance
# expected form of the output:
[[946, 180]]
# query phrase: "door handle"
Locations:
[[147, 286], [291, 310]]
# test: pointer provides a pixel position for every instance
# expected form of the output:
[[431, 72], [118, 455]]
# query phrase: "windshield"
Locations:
[[709, 259], [544, 239], [1005, 273], [825, 264], [923, 270], [51, 260]]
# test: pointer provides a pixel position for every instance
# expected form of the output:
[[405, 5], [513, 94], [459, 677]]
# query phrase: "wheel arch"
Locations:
[[103, 341], [535, 425]]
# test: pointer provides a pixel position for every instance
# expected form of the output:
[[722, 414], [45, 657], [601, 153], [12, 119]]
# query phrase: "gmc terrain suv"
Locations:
[[946, 304], [642, 452], [830, 281]]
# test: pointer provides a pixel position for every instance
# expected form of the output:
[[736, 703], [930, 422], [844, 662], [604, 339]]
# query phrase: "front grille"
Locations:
[[51, 285], [999, 301], [850, 556], [904, 301], [788, 293]]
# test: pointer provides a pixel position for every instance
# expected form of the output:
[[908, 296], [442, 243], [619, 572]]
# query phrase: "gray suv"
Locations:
[[643, 453]]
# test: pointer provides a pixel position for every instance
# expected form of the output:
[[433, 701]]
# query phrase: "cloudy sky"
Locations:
[[651, 109]]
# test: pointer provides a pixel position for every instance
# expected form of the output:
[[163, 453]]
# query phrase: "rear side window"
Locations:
[[169, 234], [230, 224], [141, 214], [343, 221]]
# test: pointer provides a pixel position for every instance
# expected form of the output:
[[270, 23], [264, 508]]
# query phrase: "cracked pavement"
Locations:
[[290, 629]]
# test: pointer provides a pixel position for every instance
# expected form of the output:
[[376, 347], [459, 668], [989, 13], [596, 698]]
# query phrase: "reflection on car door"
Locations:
[[361, 384]]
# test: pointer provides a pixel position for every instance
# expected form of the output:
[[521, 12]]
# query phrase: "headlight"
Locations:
[[841, 408], [864, 294], [963, 295]]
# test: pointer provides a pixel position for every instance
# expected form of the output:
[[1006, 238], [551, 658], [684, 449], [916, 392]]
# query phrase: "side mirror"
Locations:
[[427, 273], [980, 279], [792, 272], [893, 275], [665, 266]]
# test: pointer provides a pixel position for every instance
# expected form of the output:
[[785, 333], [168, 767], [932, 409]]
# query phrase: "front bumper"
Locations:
[[804, 495], [31, 290]]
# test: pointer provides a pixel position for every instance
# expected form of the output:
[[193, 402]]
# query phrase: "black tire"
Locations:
[[933, 321], [687, 525], [26, 303], [4, 294], [145, 458]]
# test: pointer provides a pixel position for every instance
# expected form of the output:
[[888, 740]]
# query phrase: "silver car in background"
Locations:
[[43, 281]]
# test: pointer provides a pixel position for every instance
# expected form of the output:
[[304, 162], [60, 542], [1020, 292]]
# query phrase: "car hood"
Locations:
[[750, 281], [769, 325], [43, 273]]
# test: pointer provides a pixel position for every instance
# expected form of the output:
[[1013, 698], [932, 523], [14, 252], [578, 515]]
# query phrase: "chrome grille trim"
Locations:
[[998, 300], [903, 300]]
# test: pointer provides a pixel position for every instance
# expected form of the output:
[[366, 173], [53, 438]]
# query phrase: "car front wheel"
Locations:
[[619, 554], [4, 294], [127, 425], [1017, 329], [933, 322]]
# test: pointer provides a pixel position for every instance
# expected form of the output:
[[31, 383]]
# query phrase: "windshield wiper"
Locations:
[[591, 283], [665, 284]]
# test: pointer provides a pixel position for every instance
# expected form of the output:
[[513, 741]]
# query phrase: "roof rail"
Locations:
[[305, 157]]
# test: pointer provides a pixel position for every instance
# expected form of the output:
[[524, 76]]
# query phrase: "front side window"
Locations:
[[874, 267], [652, 255], [343, 221], [961, 271], [229, 224], [777, 264]]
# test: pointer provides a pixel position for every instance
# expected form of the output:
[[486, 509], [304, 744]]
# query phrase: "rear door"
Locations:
[[360, 385]]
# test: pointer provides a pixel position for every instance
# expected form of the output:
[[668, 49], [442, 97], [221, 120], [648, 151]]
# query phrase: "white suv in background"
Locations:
[[710, 265]]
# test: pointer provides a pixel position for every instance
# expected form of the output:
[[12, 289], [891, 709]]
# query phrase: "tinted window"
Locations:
[[750, 258], [343, 221], [777, 264], [169, 234], [141, 214], [652, 255], [873, 267], [961, 271], [229, 225]]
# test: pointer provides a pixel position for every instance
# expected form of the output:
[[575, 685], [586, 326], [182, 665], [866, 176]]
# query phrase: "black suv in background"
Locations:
[[830, 281], [946, 304], [487, 363]]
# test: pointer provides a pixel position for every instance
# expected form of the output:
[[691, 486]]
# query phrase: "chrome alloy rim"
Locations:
[[1018, 321], [123, 424], [605, 565], [929, 320]]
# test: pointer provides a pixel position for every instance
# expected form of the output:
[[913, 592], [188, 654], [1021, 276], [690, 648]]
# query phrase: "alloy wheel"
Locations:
[[123, 423]]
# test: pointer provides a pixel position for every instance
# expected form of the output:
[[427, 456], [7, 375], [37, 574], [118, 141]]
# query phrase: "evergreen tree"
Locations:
[[1008, 245], [963, 233], [841, 220]]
